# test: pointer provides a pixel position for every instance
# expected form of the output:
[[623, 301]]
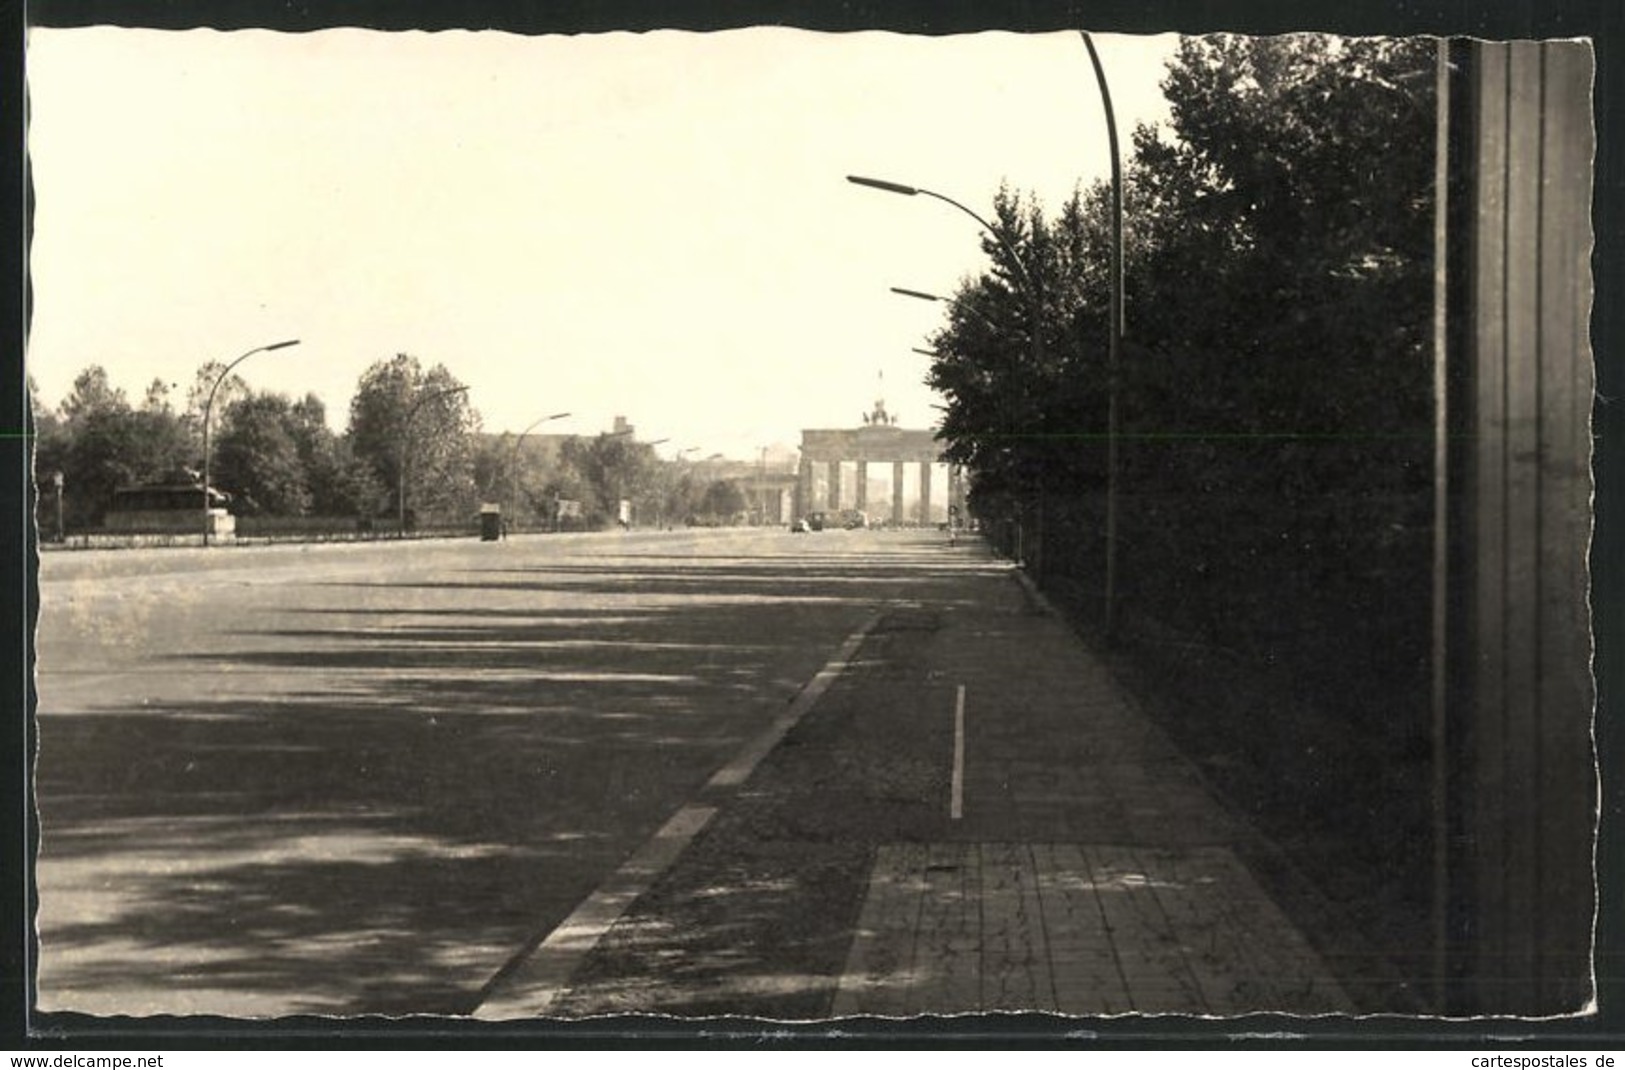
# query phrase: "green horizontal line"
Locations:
[[1217, 436]]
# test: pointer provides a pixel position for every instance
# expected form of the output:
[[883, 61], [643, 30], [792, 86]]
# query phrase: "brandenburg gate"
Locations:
[[878, 441]]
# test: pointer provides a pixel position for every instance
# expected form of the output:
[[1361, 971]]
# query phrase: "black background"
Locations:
[[1600, 20]]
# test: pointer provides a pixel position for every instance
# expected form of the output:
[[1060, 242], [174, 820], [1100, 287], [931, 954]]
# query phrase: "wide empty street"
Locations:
[[342, 779], [745, 772]]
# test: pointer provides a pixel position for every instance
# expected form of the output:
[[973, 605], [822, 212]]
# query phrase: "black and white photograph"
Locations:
[[864, 528]]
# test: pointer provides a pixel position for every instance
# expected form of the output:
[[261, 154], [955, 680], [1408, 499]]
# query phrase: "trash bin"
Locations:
[[490, 523]]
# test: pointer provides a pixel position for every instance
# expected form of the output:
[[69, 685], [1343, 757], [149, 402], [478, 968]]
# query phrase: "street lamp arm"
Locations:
[[426, 398], [537, 423], [954, 301], [1117, 183], [882, 184], [1010, 250], [513, 465], [221, 378], [912, 191]]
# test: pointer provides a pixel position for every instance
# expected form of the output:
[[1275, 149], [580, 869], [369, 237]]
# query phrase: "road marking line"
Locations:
[[744, 763], [956, 808], [534, 979]]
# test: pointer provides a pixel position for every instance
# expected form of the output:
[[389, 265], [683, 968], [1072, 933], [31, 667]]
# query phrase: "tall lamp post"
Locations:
[[406, 433], [1115, 343], [1034, 295], [513, 469], [208, 412]]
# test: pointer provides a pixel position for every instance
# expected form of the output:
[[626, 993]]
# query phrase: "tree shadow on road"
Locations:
[[407, 804]]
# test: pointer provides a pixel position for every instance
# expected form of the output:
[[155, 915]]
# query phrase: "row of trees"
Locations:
[[1274, 433], [278, 457], [1277, 281]]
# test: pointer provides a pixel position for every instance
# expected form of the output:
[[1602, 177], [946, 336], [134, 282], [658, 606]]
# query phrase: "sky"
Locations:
[[654, 225]]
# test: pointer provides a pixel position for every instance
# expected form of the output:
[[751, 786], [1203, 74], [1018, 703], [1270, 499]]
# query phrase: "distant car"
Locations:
[[799, 526]]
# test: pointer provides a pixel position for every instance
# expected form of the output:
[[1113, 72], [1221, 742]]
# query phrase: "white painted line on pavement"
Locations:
[[528, 986], [735, 772], [956, 808]]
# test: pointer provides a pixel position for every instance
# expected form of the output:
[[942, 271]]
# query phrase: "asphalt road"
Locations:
[[358, 779]]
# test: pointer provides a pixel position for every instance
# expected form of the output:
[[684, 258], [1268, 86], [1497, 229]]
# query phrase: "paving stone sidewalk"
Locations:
[[1092, 873]]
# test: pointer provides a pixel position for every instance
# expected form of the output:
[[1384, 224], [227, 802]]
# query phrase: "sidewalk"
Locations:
[[1091, 873], [972, 819]]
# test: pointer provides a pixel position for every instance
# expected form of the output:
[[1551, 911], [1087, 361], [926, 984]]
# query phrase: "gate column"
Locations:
[[925, 492], [804, 487], [897, 493], [862, 503], [833, 496]]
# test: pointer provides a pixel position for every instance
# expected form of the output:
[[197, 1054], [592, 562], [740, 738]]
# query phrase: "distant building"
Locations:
[[826, 453]]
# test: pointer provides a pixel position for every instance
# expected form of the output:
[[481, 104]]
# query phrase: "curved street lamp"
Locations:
[[513, 468], [1034, 296], [1115, 342], [917, 191], [1028, 279], [406, 431], [208, 412]]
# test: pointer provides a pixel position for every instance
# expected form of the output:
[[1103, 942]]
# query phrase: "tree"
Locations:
[[723, 501], [51, 441], [229, 389], [603, 470], [680, 492], [1277, 252], [1296, 185], [339, 485], [400, 411], [342, 484], [1022, 417], [92, 393], [568, 482], [258, 457], [156, 399], [100, 444], [494, 470], [118, 447]]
